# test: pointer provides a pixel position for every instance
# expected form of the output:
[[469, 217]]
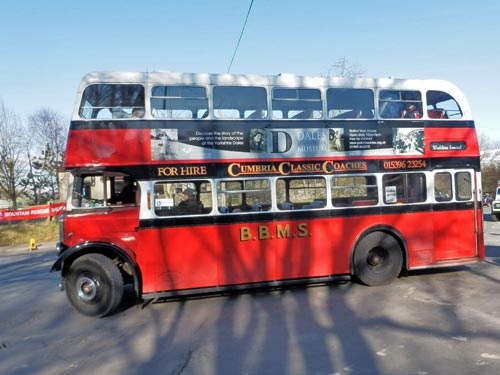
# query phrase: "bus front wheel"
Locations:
[[94, 285], [378, 259]]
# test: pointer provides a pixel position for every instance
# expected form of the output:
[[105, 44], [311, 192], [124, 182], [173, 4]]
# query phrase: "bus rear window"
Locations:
[[111, 101], [463, 186], [441, 105]]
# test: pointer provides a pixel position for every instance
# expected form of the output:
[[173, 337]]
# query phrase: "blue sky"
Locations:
[[48, 46]]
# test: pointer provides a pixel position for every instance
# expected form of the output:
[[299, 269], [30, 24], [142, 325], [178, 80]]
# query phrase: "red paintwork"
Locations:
[[119, 147], [215, 255], [114, 226], [108, 147]]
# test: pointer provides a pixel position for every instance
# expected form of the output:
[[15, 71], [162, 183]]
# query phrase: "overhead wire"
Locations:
[[241, 36]]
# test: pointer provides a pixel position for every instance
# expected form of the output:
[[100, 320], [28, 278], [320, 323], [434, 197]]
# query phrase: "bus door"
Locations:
[[456, 221]]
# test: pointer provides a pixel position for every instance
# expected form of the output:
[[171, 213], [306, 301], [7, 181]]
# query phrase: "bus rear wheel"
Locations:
[[378, 259], [94, 285]]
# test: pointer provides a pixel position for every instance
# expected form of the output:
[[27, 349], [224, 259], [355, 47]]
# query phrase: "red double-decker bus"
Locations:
[[186, 184]]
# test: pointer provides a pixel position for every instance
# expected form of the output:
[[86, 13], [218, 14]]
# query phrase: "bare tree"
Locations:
[[46, 154], [490, 149], [12, 151], [490, 162], [344, 68]]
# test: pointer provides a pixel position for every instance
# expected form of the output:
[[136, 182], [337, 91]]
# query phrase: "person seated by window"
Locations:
[[189, 205], [411, 112], [128, 194], [119, 113], [138, 112]]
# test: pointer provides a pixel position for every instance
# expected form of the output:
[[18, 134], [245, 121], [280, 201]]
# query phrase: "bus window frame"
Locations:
[[116, 112], [221, 103], [156, 114], [438, 110], [190, 183], [303, 112], [359, 111], [351, 200], [397, 106], [243, 206], [289, 204], [112, 183], [404, 197], [459, 186]]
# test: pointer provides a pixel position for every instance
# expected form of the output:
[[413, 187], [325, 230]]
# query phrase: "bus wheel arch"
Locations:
[[378, 257]]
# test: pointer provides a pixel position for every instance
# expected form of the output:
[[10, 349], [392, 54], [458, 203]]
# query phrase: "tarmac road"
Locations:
[[443, 321]]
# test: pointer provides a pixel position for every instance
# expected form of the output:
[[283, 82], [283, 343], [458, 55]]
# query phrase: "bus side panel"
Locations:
[[416, 229], [215, 255], [454, 235], [247, 253], [108, 147], [413, 227], [115, 226], [306, 248], [178, 257]]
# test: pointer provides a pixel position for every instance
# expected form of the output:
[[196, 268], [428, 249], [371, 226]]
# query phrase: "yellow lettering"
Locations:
[[167, 171], [283, 232], [193, 171], [245, 234], [234, 169], [284, 168], [302, 228], [263, 232]]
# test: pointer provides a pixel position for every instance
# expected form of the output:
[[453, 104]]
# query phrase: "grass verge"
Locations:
[[19, 233]]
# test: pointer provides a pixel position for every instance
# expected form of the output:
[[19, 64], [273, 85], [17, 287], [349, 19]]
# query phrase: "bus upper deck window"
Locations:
[[400, 104], [298, 104], [112, 101], [179, 102], [441, 105], [344, 103], [235, 102]]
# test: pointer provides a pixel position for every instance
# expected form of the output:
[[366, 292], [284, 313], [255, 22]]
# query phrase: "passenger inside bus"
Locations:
[[189, 205], [128, 193], [411, 112]]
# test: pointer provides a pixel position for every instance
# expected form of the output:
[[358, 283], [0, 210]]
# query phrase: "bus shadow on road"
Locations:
[[438, 270]]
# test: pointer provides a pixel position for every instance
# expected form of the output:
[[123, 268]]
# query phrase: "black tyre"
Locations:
[[94, 285], [378, 259]]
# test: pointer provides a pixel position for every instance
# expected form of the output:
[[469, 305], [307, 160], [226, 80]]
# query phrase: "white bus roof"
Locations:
[[280, 80]]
